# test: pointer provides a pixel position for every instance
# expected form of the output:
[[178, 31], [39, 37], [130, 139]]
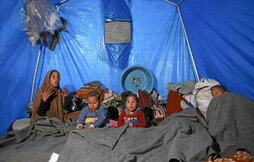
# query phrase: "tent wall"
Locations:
[[221, 35], [17, 63], [159, 43], [221, 39]]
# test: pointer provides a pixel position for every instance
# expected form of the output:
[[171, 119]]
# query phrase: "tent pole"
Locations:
[[171, 2], [188, 44], [35, 74], [180, 2]]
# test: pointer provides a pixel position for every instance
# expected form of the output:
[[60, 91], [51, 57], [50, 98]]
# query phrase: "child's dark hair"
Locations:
[[124, 95], [133, 95], [94, 94], [223, 88]]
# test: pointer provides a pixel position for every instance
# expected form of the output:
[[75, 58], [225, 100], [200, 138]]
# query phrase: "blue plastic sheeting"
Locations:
[[118, 55], [221, 36], [17, 63], [118, 10], [159, 43]]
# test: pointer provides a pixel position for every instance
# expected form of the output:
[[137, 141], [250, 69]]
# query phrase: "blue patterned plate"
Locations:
[[137, 77]]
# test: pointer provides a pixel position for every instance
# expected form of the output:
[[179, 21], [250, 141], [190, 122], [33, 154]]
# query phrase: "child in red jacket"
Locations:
[[132, 114]]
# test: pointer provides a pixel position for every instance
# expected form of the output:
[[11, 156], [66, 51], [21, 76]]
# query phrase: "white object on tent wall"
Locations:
[[40, 17], [117, 31], [186, 37], [35, 74]]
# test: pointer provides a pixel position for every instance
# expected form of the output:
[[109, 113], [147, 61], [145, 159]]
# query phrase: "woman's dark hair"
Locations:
[[224, 89]]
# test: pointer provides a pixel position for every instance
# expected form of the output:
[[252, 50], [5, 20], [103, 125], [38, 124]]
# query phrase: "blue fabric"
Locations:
[[118, 10], [17, 64], [118, 55], [221, 35], [158, 43], [100, 114]]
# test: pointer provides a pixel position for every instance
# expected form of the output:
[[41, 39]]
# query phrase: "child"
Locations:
[[218, 90], [132, 115], [94, 115]]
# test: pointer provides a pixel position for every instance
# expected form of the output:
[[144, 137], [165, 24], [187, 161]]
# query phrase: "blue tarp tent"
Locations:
[[178, 40]]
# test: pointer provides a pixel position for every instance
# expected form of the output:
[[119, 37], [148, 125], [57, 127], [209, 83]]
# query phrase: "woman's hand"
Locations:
[[49, 91]]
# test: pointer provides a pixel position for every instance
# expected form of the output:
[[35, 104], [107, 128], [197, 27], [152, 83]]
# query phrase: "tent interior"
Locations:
[[178, 40]]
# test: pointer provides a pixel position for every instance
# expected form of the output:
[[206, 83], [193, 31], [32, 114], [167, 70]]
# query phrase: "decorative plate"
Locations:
[[137, 77]]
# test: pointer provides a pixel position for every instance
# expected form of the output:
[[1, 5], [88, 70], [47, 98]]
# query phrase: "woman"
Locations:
[[49, 99]]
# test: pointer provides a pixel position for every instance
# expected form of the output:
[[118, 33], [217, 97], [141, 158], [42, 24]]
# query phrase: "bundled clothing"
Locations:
[[96, 118], [138, 118]]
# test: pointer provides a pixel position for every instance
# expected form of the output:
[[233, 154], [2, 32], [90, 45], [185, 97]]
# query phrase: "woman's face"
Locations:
[[54, 79], [93, 103], [131, 103]]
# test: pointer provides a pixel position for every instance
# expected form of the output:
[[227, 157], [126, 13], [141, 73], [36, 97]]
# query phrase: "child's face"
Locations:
[[131, 103], [217, 92], [93, 103]]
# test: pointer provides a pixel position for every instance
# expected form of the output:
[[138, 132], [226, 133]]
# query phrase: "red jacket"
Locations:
[[138, 116]]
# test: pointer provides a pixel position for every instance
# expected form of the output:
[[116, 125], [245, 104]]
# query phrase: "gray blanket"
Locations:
[[230, 119], [182, 136], [36, 142]]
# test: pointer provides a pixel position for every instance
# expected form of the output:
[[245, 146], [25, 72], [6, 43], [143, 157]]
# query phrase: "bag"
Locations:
[[145, 100], [84, 91], [203, 94], [191, 98]]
